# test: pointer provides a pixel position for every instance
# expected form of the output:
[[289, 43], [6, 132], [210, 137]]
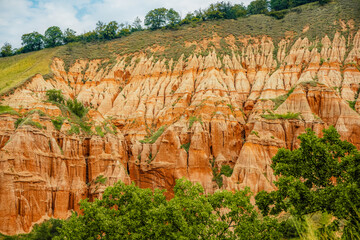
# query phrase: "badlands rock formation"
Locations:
[[198, 110]]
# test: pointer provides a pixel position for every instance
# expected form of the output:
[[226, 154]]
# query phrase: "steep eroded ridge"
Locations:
[[173, 119]]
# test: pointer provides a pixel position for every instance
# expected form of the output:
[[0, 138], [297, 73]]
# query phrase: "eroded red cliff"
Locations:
[[210, 108]]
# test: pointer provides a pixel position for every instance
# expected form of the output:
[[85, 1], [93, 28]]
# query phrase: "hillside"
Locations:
[[168, 104]]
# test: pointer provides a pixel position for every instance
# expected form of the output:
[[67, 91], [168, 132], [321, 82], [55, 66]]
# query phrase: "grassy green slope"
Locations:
[[16, 69]]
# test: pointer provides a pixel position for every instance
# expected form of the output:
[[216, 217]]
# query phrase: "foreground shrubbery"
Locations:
[[323, 175], [128, 212]]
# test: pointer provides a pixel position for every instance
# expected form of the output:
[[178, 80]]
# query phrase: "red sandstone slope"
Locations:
[[218, 105]]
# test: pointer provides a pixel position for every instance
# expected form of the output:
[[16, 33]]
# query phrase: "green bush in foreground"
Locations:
[[45, 231], [129, 212], [323, 175]]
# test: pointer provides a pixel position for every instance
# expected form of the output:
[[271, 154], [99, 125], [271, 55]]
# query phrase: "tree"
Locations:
[[110, 30], [32, 41], [53, 37], [172, 18], [258, 7], [136, 26], [99, 30], [277, 5], [322, 175], [238, 10], [156, 18], [69, 36], [128, 212], [212, 12], [6, 50], [89, 36], [323, 2], [225, 10]]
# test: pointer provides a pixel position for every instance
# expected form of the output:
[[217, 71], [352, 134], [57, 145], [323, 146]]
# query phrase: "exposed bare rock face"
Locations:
[[172, 119]]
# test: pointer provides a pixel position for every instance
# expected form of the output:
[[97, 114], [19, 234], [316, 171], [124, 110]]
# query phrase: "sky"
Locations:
[[18, 17]]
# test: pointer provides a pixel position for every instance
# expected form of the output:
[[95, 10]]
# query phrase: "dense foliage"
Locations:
[[45, 231], [74, 106], [6, 50], [277, 5], [32, 42], [323, 175], [161, 17], [55, 95], [129, 212], [155, 19], [53, 37]]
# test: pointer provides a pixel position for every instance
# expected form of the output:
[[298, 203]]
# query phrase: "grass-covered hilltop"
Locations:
[[234, 122]]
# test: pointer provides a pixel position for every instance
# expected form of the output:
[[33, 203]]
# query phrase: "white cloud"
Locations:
[[18, 17]]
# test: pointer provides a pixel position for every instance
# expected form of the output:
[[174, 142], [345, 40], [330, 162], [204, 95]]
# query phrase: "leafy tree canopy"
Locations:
[[156, 18], [258, 7], [32, 41], [136, 26], [129, 212], [110, 30], [53, 37], [6, 50], [172, 18], [322, 175], [69, 36]]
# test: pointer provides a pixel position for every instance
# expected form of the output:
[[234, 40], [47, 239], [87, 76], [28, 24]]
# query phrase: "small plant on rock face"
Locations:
[[54, 95], [99, 131], [231, 108], [76, 107], [194, 119], [57, 122], [186, 146], [255, 133], [152, 139], [226, 170]]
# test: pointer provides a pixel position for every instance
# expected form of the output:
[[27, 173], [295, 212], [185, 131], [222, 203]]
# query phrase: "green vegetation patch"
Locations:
[[225, 170], [74, 130], [8, 110], [28, 121], [99, 131], [308, 177], [186, 146], [15, 70], [356, 97], [311, 83], [152, 139], [58, 122], [74, 111], [281, 99], [194, 119], [273, 116]]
